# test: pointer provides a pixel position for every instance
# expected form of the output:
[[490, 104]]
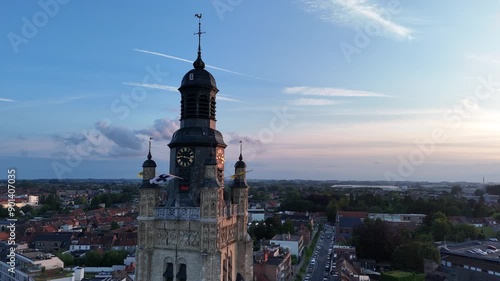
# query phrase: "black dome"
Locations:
[[198, 77], [149, 163]]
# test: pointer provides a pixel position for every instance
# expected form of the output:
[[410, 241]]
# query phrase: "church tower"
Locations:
[[148, 198], [200, 232]]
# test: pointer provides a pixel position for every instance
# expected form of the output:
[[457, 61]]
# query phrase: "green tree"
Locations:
[[412, 255], [288, 226], [114, 225], [113, 257], [331, 210], [479, 192], [456, 190], [67, 258], [92, 258], [440, 227]]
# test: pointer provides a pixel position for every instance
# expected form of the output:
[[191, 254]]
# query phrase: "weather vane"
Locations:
[[149, 154], [199, 33]]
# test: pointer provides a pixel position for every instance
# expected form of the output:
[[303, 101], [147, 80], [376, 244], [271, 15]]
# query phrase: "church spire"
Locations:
[[148, 168], [198, 63], [149, 153]]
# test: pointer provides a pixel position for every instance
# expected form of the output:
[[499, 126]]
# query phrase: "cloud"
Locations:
[[122, 137], [70, 139], [6, 100], [330, 92], [224, 98], [357, 14], [190, 61], [162, 129], [313, 102], [235, 138], [152, 86], [484, 58]]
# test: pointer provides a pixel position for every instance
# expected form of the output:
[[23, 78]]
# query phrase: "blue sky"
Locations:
[[316, 89]]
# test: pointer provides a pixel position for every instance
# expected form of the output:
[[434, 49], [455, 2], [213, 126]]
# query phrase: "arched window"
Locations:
[[168, 275], [181, 274]]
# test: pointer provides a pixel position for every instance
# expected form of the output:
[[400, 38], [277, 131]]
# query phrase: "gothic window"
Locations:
[[182, 274], [168, 275], [191, 76]]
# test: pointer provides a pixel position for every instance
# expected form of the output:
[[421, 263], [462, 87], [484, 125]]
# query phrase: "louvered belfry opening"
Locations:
[[198, 105]]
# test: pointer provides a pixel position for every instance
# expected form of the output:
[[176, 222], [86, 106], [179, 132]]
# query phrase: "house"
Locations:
[[346, 222], [50, 242], [267, 267], [294, 243]]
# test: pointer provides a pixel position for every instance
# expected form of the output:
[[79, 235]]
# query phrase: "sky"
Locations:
[[315, 89]]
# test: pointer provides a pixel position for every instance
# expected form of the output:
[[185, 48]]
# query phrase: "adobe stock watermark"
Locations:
[[31, 26], [223, 6], [363, 36], [122, 106], [455, 117], [278, 122]]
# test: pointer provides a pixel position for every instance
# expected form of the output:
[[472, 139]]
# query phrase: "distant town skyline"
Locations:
[[315, 89]]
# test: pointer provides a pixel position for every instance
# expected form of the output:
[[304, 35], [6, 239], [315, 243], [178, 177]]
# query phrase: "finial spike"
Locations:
[[241, 151], [149, 153], [199, 62], [199, 33]]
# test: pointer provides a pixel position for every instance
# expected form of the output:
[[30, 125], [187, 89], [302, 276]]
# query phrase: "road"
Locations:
[[321, 259]]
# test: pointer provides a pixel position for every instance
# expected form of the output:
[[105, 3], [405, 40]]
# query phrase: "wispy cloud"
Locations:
[[483, 58], [190, 61], [357, 13], [172, 89], [6, 100], [152, 86], [330, 92], [224, 98], [312, 102]]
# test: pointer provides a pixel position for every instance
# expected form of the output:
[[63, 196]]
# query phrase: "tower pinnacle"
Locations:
[[241, 151], [198, 63], [149, 153]]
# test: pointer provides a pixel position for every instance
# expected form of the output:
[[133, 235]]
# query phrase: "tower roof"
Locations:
[[149, 162], [240, 164], [198, 77]]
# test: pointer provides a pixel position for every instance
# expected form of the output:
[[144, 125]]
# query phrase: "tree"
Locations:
[[113, 257], [67, 258], [480, 209], [440, 227], [331, 210], [456, 190], [288, 226], [479, 192], [114, 225], [92, 258], [412, 255]]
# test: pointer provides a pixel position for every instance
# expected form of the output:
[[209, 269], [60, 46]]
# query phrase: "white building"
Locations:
[[294, 243]]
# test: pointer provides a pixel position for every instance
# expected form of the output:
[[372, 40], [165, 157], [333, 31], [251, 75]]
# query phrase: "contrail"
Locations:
[[7, 100], [208, 66], [172, 89]]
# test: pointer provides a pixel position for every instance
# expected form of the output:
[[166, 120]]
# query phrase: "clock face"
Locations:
[[184, 157], [220, 158]]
